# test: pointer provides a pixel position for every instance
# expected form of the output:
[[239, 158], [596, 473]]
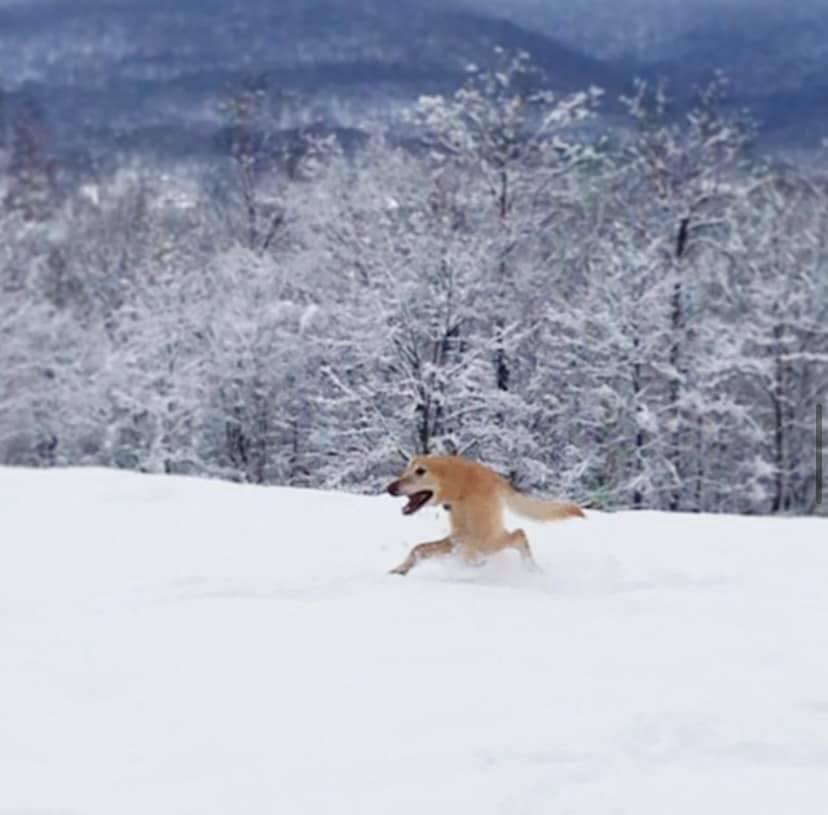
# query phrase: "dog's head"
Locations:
[[419, 484]]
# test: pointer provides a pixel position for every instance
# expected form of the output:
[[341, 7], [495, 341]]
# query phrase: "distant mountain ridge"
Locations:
[[777, 64], [112, 71], [139, 74]]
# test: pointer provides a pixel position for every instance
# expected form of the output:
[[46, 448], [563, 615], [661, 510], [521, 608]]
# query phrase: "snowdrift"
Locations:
[[179, 647]]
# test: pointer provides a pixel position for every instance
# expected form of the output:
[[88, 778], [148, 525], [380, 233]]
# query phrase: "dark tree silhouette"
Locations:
[[31, 172]]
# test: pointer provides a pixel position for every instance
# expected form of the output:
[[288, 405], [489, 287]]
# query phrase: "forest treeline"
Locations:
[[635, 318]]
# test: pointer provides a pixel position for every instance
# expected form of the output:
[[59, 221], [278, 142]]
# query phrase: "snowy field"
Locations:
[[179, 647]]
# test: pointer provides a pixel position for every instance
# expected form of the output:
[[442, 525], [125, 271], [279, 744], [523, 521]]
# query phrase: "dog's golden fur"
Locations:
[[475, 498]]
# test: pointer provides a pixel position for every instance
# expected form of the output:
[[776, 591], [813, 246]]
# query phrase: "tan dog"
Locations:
[[475, 497]]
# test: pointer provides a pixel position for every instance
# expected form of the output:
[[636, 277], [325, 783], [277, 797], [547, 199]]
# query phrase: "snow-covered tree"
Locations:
[[678, 198], [636, 322], [780, 328]]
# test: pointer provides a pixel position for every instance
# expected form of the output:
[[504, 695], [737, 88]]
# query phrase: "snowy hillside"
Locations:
[[178, 647]]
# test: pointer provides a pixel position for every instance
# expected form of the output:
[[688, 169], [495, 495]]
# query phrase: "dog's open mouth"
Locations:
[[416, 501]]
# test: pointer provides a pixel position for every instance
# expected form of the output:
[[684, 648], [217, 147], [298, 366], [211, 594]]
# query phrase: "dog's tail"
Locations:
[[538, 509]]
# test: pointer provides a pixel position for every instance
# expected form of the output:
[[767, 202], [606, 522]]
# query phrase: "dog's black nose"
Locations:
[[393, 488]]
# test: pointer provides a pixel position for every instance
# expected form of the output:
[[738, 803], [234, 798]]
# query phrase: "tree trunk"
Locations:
[[676, 321], [638, 497], [777, 395]]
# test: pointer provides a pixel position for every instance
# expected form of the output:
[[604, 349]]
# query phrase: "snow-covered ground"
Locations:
[[179, 647]]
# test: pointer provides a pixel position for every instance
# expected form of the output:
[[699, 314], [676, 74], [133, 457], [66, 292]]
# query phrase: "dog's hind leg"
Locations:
[[422, 551], [518, 540]]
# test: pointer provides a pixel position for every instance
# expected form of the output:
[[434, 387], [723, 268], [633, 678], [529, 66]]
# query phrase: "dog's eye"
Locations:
[[419, 471]]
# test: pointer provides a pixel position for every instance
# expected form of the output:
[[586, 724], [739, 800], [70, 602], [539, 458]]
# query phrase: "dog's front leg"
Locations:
[[422, 551]]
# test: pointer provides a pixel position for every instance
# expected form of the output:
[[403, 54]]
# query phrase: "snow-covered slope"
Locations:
[[177, 647]]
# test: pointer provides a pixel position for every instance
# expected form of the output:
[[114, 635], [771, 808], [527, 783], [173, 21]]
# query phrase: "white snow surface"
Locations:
[[172, 646]]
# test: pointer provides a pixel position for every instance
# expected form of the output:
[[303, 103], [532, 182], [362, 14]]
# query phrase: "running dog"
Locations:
[[474, 497]]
